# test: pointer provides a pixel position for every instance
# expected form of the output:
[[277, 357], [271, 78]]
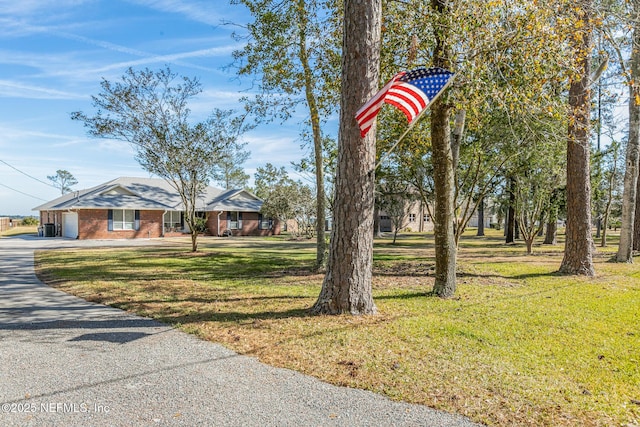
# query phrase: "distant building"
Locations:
[[417, 219], [5, 224]]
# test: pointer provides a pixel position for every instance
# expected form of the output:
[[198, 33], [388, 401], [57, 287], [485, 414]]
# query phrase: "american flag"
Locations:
[[410, 91]]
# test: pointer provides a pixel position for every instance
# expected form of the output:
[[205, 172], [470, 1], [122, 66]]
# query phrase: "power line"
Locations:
[[21, 192], [26, 174]]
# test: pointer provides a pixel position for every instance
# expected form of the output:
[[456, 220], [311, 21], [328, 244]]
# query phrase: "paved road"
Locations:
[[68, 362]]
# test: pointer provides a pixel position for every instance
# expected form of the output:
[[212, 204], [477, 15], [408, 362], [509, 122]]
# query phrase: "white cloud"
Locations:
[[17, 135], [12, 89], [84, 70], [169, 58]]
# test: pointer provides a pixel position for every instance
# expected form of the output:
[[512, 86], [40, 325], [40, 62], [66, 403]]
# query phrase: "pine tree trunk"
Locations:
[[636, 227], [550, 237], [510, 227], [443, 173], [631, 184], [347, 284], [445, 244], [578, 251], [480, 218]]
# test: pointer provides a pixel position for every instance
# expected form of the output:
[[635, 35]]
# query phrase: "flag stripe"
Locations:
[[405, 107], [411, 102], [378, 98], [368, 112], [410, 92]]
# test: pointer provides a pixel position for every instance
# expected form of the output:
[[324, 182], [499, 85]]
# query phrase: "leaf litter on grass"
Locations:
[[518, 345]]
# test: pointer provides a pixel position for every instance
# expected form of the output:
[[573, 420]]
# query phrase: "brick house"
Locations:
[[127, 208]]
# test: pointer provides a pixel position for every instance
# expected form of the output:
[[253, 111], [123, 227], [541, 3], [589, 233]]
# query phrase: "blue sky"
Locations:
[[53, 55]]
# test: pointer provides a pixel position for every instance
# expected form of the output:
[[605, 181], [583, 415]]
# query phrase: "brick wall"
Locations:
[[250, 225], [52, 217], [94, 224]]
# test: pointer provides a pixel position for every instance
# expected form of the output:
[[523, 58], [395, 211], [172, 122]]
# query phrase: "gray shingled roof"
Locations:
[[235, 200], [150, 194]]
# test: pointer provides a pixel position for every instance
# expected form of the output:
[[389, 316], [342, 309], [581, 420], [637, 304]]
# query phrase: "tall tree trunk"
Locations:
[[629, 199], [510, 226], [550, 237], [578, 250], [636, 227], [603, 238], [445, 244], [607, 207], [443, 174], [480, 218], [321, 243], [552, 232], [347, 284]]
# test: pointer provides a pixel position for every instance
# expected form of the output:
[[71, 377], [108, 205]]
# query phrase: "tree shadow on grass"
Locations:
[[233, 316], [430, 294], [406, 296], [197, 300], [513, 277]]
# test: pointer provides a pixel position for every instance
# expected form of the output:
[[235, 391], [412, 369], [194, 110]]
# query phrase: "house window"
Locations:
[[173, 221], [124, 219], [264, 223], [425, 218], [234, 220], [412, 217]]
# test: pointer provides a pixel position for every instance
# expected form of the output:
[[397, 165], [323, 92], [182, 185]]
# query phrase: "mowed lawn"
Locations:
[[518, 345], [23, 229]]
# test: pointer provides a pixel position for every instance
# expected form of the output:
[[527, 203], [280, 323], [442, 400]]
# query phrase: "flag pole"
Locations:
[[413, 123]]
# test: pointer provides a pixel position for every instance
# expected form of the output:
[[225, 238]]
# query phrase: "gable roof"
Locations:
[[150, 194], [235, 200]]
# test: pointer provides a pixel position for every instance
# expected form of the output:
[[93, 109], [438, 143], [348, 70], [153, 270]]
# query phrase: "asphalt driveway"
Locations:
[[68, 362]]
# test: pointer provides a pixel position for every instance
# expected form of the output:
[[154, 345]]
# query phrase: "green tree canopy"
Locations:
[[148, 109]]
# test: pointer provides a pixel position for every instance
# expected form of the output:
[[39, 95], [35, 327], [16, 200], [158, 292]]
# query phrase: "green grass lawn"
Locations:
[[518, 345], [14, 231]]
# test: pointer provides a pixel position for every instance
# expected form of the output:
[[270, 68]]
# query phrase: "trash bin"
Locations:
[[49, 230], [40, 231]]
